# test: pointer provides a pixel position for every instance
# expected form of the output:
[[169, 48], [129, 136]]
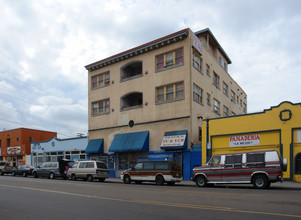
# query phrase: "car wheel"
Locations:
[[51, 176], [73, 177], [260, 182], [101, 179], [127, 179], [159, 180], [1, 173], [24, 174], [13, 173], [201, 181], [35, 175], [90, 178]]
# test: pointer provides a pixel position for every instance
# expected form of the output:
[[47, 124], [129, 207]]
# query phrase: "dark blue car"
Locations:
[[23, 170]]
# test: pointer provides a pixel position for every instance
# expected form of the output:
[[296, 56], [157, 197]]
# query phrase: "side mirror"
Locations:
[[284, 164]]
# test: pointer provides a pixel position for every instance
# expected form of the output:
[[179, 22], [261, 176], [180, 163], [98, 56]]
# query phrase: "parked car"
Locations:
[[5, 168], [153, 171], [259, 168], [89, 170], [52, 169], [23, 170]]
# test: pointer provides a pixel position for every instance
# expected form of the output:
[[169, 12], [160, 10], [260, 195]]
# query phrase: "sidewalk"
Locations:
[[284, 185]]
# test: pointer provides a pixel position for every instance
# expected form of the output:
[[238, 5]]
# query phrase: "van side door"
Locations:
[[233, 170]]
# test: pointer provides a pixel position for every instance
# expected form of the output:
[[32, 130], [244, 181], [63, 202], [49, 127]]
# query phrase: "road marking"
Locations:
[[180, 205]]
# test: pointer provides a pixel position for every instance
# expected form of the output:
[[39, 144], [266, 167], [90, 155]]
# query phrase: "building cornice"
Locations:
[[145, 48]]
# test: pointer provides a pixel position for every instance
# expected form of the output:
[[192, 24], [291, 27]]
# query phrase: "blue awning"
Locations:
[[137, 141], [95, 146], [174, 140]]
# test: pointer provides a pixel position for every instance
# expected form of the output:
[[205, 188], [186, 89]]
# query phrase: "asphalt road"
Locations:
[[30, 198]]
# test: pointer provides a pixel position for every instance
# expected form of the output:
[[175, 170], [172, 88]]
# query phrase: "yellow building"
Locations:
[[276, 128]]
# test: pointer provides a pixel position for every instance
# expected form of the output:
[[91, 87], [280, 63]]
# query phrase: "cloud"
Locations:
[[46, 44]]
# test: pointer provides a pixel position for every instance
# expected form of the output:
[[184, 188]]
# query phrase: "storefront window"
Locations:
[[127, 160]]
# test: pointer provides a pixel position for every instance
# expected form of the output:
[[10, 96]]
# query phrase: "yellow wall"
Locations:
[[276, 126]]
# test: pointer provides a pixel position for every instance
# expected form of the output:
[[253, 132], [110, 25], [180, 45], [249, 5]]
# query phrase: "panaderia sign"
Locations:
[[244, 140]]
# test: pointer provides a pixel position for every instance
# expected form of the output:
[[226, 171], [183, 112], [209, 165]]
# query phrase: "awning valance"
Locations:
[[174, 140], [95, 146], [137, 141]]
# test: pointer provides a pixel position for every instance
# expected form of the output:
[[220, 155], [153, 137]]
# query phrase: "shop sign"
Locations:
[[14, 150], [197, 44], [174, 140], [244, 140]]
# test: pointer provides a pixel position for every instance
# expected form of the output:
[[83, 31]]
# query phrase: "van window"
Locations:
[[101, 165], [75, 165], [149, 166], [233, 160], [175, 166], [161, 165], [90, 165], [257, 157], [138, 166], [82, 165], [215, 160]]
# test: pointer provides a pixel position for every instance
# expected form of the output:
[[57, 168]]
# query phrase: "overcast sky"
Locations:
[[44, 46]]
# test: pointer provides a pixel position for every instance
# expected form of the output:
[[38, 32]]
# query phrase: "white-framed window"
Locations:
[[197, 94], [197, 60], [225, 88], [232, 96], [215, 80], [208, 99], [207, 69], [216, 107], [244, 107], [226, 111]]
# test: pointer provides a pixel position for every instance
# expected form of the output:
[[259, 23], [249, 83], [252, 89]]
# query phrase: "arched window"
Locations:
[[131, 70], [131, 100], [298, 163]]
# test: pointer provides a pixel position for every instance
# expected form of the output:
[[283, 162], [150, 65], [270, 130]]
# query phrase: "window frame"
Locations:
[[216, 80], [175, 92], [100, 78], [164, 62], [197, 96], [216, 108], [197, 64], [225, 89], [106, 109]]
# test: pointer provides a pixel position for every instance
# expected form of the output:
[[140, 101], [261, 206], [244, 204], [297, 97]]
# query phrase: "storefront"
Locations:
[[55, 149], [277, 128]]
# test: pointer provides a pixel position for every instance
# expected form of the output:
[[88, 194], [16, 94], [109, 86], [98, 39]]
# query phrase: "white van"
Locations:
[[89, 170]]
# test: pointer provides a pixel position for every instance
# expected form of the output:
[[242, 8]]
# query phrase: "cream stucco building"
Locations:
[[151, 100]]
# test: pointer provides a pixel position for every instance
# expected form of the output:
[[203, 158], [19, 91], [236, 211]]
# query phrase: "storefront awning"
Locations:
[[174, 140], [95, 146], [137, 141]]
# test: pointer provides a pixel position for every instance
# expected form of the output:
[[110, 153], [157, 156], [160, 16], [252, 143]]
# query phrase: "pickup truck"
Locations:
[[5, 168]]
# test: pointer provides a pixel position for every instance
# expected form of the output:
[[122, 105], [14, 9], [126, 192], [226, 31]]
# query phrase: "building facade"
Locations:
[[277, 128], [148, 102], [15, 144], [55, 149]]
